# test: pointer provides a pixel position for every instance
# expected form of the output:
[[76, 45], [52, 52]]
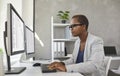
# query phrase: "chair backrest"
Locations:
[[107, 62], [110, 50]]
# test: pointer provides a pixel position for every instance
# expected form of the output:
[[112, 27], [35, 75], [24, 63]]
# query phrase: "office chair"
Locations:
[[111, 73], [107, 62], [114, 72]]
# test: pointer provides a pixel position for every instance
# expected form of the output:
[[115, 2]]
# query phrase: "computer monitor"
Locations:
[[14, 38], [30, 42], [15, 32]]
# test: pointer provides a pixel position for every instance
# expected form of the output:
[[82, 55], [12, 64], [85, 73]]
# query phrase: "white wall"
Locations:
[[0, 22], [27, 12], [43, 28]]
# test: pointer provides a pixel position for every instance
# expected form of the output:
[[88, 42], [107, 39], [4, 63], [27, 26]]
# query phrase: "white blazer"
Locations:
[[93, 64]]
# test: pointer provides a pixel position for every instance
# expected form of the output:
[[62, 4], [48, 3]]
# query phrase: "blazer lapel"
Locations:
[[77, 46], [86, 51]]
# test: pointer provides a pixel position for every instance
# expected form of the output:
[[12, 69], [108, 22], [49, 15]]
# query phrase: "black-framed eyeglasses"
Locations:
[[74, 25]]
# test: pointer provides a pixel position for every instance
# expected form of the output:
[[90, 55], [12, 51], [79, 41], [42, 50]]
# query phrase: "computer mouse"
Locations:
[[36, 64]]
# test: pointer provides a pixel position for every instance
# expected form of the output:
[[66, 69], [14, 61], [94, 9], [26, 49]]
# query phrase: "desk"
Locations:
[[36, 71]]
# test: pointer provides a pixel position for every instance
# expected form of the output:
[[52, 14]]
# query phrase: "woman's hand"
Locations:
[[57, 66]]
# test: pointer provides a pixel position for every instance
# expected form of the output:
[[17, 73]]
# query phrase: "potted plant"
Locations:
[[1, 63], [63, 15], [1, 51]]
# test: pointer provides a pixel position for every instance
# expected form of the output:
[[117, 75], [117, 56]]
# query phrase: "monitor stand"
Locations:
[[15, 70], [10, 70]]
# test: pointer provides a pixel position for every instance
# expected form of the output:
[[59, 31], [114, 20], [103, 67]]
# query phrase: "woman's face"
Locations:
[[77, 28]]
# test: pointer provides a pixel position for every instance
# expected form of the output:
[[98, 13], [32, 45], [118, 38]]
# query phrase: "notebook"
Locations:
[[45, 69]]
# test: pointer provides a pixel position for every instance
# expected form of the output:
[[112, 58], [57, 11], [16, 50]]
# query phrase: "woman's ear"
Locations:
[[84, 27]]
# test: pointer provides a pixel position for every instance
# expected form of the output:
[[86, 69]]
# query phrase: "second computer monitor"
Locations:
[[30, 42]]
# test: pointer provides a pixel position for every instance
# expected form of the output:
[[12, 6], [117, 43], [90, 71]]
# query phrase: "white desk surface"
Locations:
[[36, 71]]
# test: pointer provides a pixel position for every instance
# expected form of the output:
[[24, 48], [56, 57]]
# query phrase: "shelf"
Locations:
[[57, 40], [60, 24], [62, 39]]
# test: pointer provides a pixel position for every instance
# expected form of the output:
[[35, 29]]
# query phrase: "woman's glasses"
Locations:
[[74, 25]]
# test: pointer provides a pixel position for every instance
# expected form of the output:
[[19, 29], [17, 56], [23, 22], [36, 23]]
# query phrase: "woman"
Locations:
[[88, 53]]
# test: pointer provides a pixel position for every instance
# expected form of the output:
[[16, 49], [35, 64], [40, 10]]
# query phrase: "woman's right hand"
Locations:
[[58, 66], [53, 65]]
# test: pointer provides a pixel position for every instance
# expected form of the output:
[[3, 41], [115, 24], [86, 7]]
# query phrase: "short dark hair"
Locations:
[[82, 19]]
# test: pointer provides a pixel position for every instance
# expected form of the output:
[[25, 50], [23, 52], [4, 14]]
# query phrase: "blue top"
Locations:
[[80, 56]]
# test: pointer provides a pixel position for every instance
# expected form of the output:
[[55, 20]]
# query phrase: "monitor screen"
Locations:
[[14, 38], [29, 37], [15, 32]]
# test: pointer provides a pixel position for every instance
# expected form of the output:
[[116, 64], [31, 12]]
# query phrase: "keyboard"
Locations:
[[45, 69]]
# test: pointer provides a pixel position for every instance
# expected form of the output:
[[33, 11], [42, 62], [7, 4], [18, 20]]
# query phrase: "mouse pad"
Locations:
[[44, 68]]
